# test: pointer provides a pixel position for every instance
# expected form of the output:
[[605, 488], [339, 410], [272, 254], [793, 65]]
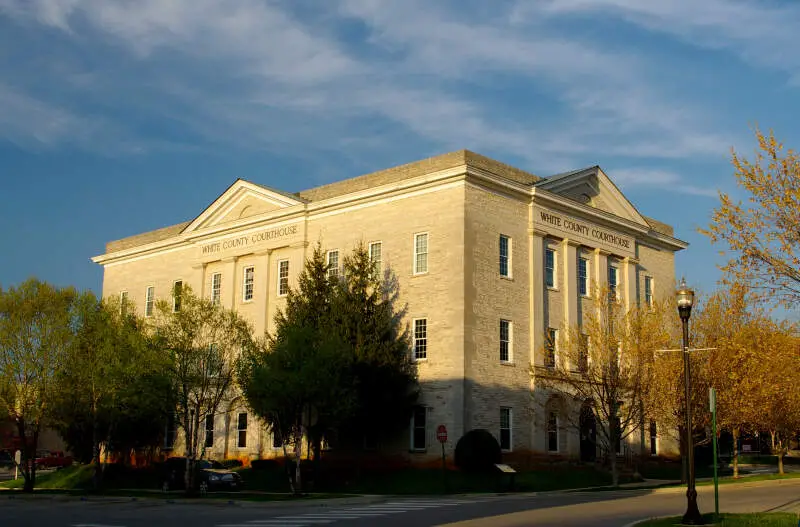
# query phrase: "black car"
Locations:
[[209, 476]]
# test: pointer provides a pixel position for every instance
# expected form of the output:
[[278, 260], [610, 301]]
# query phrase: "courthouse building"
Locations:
[[490, 259]]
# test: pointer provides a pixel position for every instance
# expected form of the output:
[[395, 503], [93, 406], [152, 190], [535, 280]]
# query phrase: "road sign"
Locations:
[[18, 457], [441, 434]]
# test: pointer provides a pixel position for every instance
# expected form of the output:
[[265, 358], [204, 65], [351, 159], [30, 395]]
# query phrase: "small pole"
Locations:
[[444, 468], [713, 400]]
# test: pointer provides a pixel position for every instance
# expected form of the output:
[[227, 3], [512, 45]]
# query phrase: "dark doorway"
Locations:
[[588, 431]]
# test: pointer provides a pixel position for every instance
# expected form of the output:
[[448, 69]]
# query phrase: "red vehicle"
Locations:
[[54, 459]]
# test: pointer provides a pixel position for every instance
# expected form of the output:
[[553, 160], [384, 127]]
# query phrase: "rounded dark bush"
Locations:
[[263, 464], [231, 463], [478, 451]]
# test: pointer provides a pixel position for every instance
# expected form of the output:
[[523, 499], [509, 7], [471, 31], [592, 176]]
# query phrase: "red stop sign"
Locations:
[[441, 434]]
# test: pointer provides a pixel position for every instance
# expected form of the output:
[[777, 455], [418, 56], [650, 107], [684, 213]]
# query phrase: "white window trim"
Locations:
[[427, 253], [328, 263], [239, 430], [278, 288], [588, 293], [219, 299], [369, 249], [510, 341], [558, 433], [174, 298], [510, 274], [555, 347], [414, 339], [615, 268], [652, 300], [245, 300], [510, 428], [553, 287], [146, 291]]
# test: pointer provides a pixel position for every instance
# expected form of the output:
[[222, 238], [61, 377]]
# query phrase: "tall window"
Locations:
[[283, 277], [583, 353], [505, 429], [648, 291], [419, 428], [277, 440], [216, 288], [552, 432], [550, 348], [248, 284], [583, 276], [550, 267], [420, 338], [505, 256], [209, 431], [376, 257], [613, 282], [242, 430], [171, 432], [123, 302], [333, 264], [420, 253], [505, 341], [149, 301], [653, 438], [177, 290]]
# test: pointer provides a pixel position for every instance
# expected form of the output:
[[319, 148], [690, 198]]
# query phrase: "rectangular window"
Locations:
[[653, 438], [419, 428], [283, 277], [583, 354], [242, 430], [505, 341], [216, 288], [333, 264], [149, 301], [613, 282], [177, 289], [648, 291], [277, 441], [550, 348], [420, 338], [420, 253], [583, 276], [505, 429], [550, 268], [505, 256], [552, 432], [248, 284], [209, 431], [170, 432], [123, 302], [376, 257]]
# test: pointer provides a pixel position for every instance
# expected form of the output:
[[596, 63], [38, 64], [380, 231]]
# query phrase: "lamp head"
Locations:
[[685, 300]]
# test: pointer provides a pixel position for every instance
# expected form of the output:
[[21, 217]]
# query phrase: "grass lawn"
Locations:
[[772, 519], [72, 477]]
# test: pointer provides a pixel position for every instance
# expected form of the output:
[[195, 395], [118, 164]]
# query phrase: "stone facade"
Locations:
[[461, 204]]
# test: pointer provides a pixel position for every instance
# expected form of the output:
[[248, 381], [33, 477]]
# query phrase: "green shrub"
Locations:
[[478, 451]]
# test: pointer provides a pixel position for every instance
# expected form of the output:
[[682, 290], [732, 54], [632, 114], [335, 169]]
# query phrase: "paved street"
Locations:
[[610, 508]]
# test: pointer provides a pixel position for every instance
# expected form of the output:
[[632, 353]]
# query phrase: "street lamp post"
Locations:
[[685, 300]]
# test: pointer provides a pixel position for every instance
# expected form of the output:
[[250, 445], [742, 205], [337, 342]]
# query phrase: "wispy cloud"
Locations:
[[662, 179]]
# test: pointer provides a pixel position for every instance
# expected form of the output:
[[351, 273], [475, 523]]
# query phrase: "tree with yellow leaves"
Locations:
[[763, 234]]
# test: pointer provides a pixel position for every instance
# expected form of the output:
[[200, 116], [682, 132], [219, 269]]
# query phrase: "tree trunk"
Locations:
[[187, 434], [298, 484], [96, 451], [614, 471], [735, 432]]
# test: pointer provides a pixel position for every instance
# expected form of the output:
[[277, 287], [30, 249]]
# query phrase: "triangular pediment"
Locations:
[[242, 200], [591, 186]]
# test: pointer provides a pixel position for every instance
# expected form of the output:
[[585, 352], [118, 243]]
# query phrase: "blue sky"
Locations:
[[118, 117]]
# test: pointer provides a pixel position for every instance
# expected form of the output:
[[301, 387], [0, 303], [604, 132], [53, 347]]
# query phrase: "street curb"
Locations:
[[637, 522]]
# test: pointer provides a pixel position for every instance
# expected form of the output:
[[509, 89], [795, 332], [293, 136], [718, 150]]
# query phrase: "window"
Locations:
[[177, 289], [248, 284], [149, 302], [505, 429], [653, 438], [216, 288], [277, 440], [333, 264], [242, 429], [123, 302], [505, 256], [550, 268], [283, 277], [583, 354], [170, 432], [420, 253], [209, 431], [550, 348], [419, 429], [552, 432], [505, 341], [376, 257], [613, 281], [648, 291], [583, 276], [420, 338]]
